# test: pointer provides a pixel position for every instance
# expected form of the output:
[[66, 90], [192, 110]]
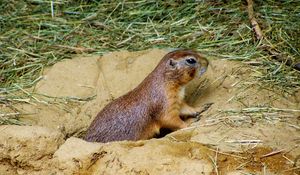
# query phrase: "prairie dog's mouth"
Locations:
[[202, 71]]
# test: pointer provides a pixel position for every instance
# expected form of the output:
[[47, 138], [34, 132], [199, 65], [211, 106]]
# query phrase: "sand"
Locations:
[[73, 91]]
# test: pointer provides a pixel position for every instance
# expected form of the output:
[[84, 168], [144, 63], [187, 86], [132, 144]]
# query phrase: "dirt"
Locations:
[[73, 91]]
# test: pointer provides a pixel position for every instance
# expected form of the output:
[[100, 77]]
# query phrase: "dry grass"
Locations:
[[249, 116], [33, 35]]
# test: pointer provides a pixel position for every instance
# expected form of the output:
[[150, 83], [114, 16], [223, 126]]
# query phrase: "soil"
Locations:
[[236, 135]]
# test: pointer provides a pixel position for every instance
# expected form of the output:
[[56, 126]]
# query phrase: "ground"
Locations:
[[249, 128]]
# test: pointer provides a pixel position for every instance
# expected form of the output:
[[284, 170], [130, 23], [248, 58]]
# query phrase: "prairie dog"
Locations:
[[157, 102]]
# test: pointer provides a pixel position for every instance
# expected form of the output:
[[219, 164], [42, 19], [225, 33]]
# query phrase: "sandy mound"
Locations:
[[24, 148], [238, 127]]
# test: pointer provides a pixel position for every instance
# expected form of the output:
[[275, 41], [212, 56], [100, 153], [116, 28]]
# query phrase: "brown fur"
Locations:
[[154, 104]]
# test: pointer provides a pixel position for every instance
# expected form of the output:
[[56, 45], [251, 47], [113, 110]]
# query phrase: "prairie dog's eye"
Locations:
[[191, 60]]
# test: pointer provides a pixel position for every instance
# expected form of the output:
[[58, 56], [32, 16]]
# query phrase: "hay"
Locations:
[[35, 34]]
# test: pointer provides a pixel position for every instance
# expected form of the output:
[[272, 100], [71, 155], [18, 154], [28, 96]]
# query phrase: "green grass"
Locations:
[[31, 39]]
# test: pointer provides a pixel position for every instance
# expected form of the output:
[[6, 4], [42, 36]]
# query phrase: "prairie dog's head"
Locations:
[[184, 65]]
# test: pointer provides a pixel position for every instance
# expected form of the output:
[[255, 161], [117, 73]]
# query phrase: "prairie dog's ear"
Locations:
[[172, 63]]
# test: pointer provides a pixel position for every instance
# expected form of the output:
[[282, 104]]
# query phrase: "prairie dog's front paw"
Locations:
[[188, 111]]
